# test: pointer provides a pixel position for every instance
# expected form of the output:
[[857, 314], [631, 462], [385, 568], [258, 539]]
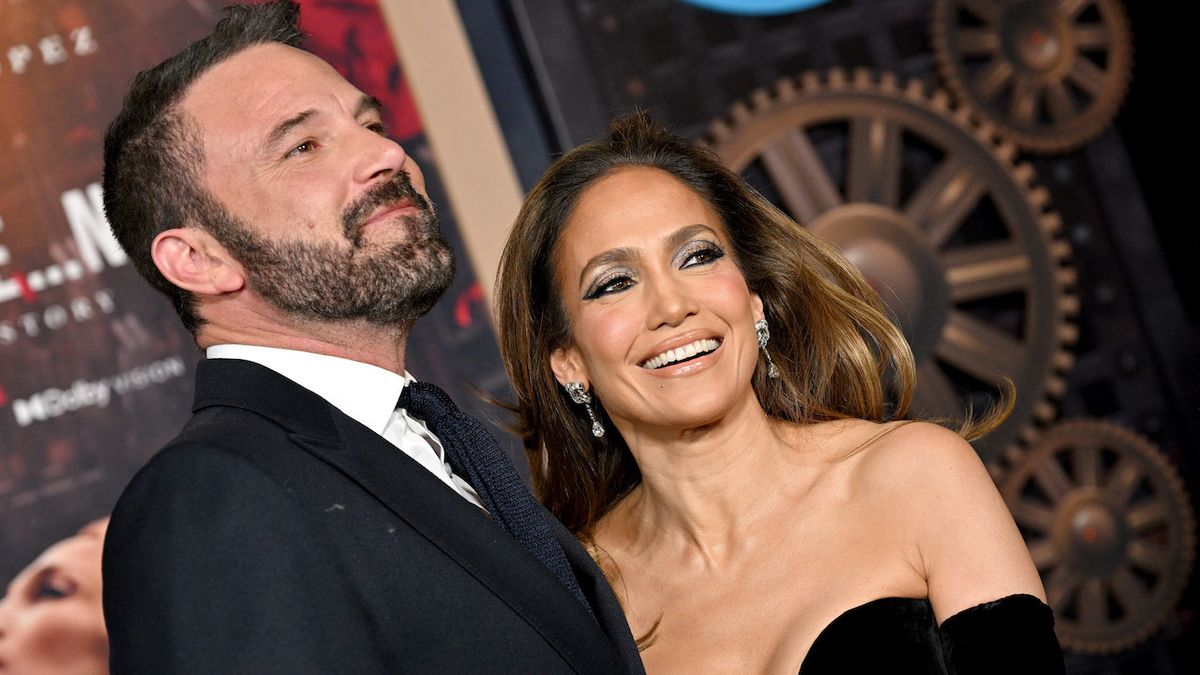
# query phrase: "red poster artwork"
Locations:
[[95, 369]]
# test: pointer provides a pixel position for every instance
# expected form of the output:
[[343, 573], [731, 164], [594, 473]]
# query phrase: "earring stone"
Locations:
[[580, 396], [763, 332]]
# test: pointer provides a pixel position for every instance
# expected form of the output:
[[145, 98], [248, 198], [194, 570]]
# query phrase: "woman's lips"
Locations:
[[682, 353]]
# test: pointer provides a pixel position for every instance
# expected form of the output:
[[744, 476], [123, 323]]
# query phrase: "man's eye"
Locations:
[[378, 128], [303, 148], [608, 286]]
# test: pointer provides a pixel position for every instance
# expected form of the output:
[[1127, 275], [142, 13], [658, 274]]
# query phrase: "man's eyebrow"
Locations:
[[368, 104], [281, 130]]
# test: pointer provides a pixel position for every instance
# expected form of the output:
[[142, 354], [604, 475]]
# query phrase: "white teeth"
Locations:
[[680, 353]]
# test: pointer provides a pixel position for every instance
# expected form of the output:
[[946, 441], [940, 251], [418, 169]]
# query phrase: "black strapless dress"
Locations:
[[900, 635]]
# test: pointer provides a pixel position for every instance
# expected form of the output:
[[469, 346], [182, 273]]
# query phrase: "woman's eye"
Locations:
[[702, 256], [54, 587], [609, 286], [378, 128]]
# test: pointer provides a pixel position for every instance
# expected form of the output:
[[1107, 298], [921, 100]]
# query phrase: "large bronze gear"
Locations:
[[1047, 74], [964, 250], [1110, 528]]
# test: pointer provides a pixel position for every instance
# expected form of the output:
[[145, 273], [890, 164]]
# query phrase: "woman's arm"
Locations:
[[969, 547]]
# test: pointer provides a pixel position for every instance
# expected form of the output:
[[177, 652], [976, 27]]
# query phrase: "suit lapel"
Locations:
[[465, 535], [599, 593], [407, 489]]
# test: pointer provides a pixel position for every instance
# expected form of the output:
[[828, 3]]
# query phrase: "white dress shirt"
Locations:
[[366, 393]]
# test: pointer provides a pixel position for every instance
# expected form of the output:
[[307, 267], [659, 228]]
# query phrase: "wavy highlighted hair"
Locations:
[[838, 354]]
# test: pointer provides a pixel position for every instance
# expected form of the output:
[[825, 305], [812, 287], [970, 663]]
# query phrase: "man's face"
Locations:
[[328, 217]]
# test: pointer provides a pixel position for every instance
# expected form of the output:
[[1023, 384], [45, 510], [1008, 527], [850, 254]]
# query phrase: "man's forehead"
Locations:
[[258, 86]]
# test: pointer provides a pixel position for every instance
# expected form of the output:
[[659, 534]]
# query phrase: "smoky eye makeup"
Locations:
[[53, 585], [699, 252], [610, 281]]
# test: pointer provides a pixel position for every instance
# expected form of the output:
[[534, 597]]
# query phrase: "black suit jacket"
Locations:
[[275, 534]]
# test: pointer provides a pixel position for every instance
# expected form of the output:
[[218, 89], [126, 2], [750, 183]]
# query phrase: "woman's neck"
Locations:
[[703, 489]]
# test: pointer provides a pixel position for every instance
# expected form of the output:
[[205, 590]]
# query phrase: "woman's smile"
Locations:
[[682, 358], [652, 290]]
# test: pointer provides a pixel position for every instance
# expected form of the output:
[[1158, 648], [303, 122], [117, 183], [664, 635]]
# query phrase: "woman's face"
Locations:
[[662, 321], [51, 619]]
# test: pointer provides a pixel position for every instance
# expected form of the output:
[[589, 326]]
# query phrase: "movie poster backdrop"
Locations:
[[95, 369]]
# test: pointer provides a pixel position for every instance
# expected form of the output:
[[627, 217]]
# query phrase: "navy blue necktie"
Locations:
[[475, 455]]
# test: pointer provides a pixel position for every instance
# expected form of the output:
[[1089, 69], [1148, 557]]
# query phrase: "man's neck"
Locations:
[[381, 346]]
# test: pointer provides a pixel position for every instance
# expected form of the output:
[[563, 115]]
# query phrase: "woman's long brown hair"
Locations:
[[838, 354]]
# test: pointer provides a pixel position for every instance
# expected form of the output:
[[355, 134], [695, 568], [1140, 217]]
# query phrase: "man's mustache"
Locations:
[[397, 189]]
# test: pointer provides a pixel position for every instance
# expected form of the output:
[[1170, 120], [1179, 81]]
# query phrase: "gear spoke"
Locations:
[[988, 10], [980, 350], [1060, 586], [932, 209], [945, 198], [977, 41], [1020, 68], [1090, 37], [1092, 610], [1044, 553], [1062, 108], [1125, 533], [1087, 466], [874, 168], [1148, 557], [1033, 515], [1128, 590], [1052, 479], [1072, 8], [799, 174], [1147, 515], [1123, 481], [993, 79], [934, 393], [985, 270], [1088, 76], [1025, 98]]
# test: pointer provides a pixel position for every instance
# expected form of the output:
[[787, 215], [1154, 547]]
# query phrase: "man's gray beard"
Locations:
[[392, 284]]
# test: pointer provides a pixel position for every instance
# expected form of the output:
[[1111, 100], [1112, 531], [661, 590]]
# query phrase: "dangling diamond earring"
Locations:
[[764, 336], [578, 395]]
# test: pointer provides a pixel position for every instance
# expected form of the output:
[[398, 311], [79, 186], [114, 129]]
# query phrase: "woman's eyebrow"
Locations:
[[611, 256], [679, 237]]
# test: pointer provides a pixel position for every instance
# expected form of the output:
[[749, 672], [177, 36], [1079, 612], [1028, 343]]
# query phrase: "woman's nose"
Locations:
[[670, 304]]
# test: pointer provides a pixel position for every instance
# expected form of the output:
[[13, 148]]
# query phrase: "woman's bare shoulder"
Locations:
[[915, 454], [942, 494], [917, 472]]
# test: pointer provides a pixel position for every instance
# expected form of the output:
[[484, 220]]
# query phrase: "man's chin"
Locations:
[[382, 283]]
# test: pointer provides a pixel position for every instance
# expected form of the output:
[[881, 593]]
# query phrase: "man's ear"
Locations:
[[195, 261], [567, 365]]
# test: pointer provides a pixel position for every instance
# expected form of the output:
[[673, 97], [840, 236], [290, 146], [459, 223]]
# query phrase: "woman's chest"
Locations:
[[763, 614]]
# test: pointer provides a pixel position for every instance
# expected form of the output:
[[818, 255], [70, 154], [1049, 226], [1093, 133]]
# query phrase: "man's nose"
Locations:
[[380, 156]]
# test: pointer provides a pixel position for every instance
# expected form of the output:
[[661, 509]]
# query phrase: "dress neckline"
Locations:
[[911, 604], [904, 603]]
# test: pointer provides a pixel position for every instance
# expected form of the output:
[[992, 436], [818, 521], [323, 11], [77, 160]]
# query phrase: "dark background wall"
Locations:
[[1099, 463]]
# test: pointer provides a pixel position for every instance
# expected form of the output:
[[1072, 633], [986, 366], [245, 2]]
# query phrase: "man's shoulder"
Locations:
[[220, 445]]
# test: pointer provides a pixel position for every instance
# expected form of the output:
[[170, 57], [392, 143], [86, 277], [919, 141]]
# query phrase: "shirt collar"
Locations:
[[366, 393]]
